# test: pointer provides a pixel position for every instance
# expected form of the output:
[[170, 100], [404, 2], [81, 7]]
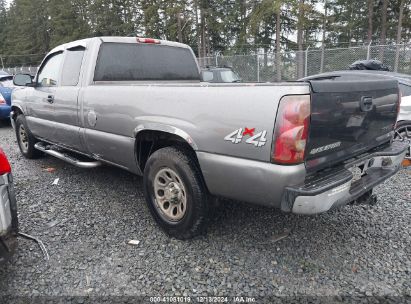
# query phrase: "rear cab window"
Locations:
[[145, 62]]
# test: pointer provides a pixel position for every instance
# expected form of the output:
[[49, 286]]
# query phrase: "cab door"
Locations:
[[66, 104], [40, 101]]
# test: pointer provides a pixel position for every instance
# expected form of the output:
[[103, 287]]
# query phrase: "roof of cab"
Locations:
[[114, 39]]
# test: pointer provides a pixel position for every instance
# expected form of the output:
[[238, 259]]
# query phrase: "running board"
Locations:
[[48, 149]]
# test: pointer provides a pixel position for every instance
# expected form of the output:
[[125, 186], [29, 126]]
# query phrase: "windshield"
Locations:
[[229, 76]]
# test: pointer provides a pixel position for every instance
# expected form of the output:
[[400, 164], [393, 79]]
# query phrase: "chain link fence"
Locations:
[[297, 64], [32, 70], [268, 68], [21, 63]]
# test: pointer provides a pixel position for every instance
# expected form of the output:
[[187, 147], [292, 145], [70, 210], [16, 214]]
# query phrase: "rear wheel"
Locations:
[[25, 139], [403, 133], [175, 192]]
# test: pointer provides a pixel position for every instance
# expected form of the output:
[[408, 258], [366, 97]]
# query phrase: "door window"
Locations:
[[49, 73]]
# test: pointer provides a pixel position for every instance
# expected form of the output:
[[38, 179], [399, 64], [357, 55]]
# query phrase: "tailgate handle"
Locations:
[[366, 104]]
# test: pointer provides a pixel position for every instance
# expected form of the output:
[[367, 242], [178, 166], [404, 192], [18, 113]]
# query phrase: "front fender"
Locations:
[[17, 100], [150, 124]]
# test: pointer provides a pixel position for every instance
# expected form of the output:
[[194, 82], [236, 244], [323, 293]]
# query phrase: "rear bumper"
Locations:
[[324, 191], [248, 180]]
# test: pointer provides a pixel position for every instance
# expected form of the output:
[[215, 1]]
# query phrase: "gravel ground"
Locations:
[[88, 218]]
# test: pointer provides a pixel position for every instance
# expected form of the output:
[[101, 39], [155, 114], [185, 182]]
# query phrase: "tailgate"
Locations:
[[349, 116]]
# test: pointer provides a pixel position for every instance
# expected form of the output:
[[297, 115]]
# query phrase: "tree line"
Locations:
[[208, 26]]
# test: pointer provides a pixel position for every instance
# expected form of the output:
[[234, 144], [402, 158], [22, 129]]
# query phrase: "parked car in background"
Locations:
[[403, 127], [8, 210], [6, 87], [305, 147], [219, 74]]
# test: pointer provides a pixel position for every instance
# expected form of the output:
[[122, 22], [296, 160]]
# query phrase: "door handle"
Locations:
[[50, 99]]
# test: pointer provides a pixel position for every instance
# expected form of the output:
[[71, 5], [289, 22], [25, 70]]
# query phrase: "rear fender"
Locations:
[[167, 128]]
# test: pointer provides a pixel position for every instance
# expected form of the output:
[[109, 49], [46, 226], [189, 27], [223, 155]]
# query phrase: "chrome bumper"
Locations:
[[326, 191]]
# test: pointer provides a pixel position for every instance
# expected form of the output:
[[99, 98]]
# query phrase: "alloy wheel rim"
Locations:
[[170, 195], [23, 138]]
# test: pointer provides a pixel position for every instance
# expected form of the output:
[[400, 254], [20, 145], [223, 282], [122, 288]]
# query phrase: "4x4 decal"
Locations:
[[259, 139]]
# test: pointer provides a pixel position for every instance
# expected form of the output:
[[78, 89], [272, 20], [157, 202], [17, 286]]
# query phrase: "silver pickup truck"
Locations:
[[138, 103]]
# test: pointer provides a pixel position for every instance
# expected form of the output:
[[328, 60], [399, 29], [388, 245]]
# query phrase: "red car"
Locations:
[[8, 210]]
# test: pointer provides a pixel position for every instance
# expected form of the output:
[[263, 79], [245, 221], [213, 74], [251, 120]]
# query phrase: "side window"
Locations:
[[49, 72], [405, 90], [72, 66]]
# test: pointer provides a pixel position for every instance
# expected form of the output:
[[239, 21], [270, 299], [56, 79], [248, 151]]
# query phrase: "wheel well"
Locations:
[[16, 111], [148, 142]]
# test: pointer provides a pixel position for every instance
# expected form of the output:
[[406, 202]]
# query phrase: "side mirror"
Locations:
[[22, 80]]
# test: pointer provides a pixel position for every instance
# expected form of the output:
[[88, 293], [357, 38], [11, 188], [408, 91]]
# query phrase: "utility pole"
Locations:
[[324, 36], [399, 30], [278, 42], [179, 28], [2, 63]]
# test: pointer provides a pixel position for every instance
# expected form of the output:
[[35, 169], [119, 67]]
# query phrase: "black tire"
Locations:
[[182, 162], [26, 144]]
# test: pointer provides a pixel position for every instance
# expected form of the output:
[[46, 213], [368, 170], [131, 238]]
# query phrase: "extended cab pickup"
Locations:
[[136, 103]]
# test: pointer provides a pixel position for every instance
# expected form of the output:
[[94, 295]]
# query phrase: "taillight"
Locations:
[[148, 40], [2, 100], [4, 163], [291, 129]]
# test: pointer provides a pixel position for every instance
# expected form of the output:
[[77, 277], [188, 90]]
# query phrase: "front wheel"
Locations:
[[403, 133], [25, 139], [175, 192]]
